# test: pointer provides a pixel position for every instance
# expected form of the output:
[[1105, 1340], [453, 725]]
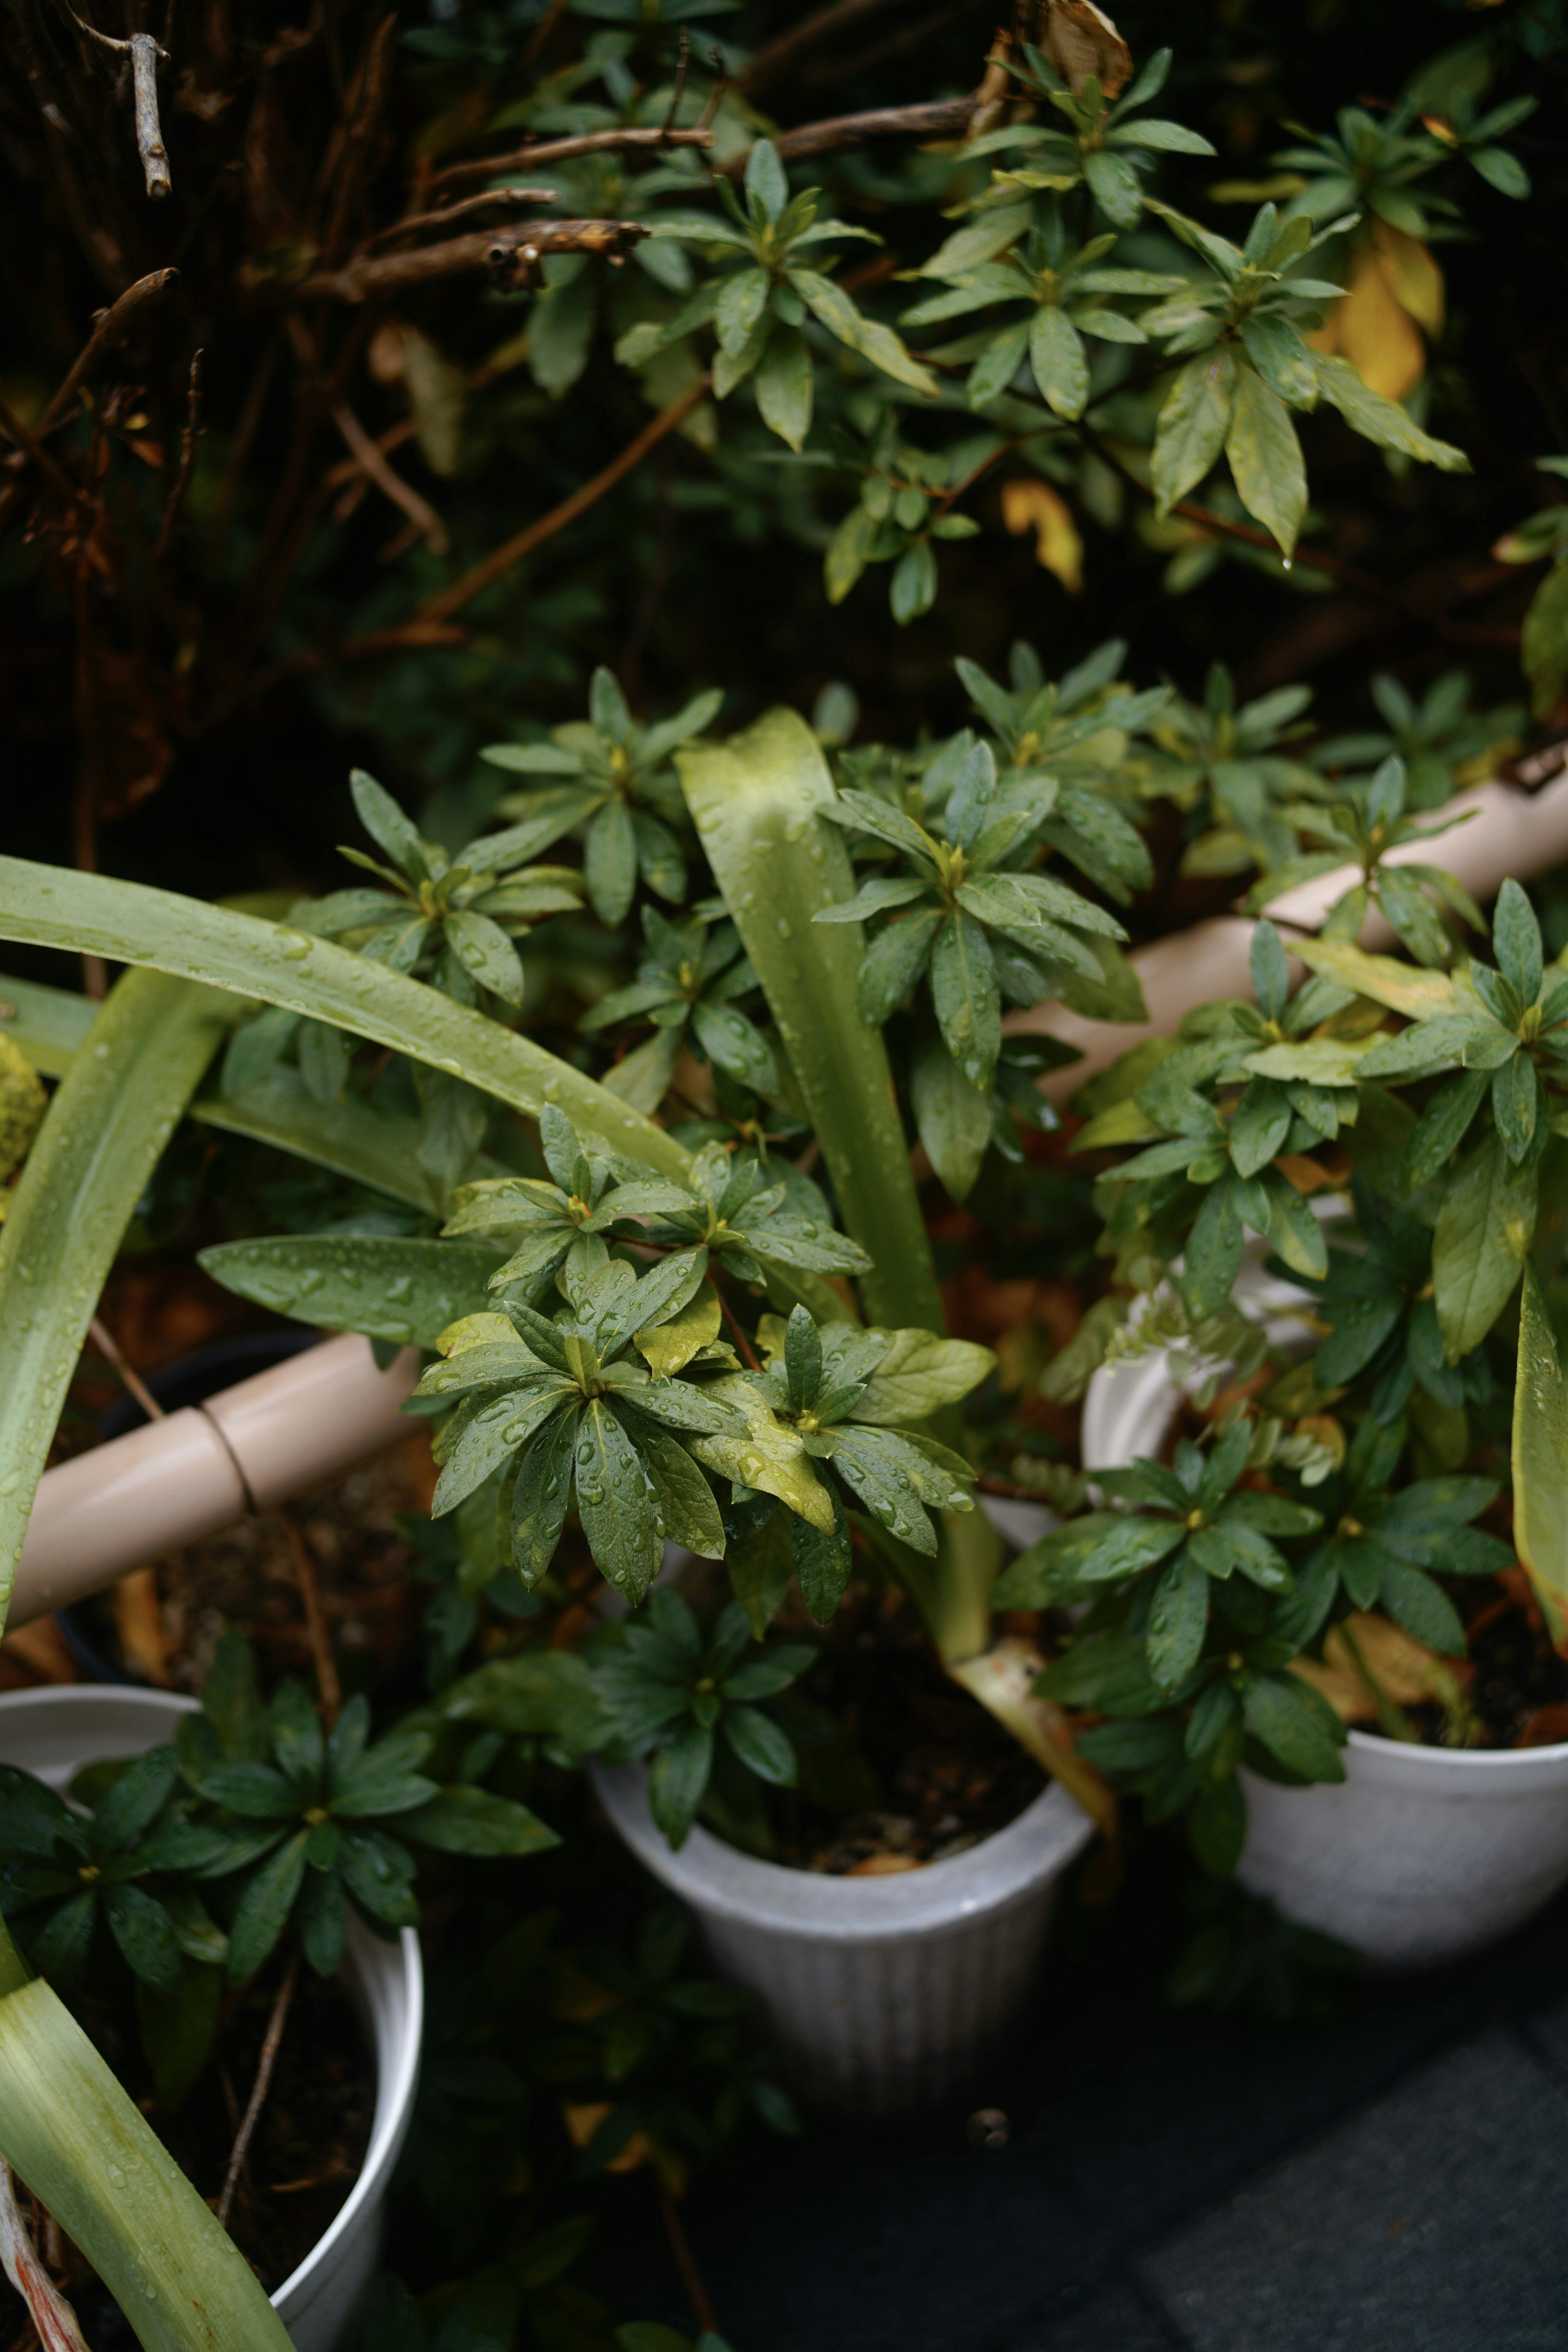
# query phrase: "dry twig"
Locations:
[[777, 58], [329, 1690], [110, 330], [144, 54], [187, 457], [391, 484], [52, 2315], [500, 252], [260, 2087], [508, 199], [562, 151]]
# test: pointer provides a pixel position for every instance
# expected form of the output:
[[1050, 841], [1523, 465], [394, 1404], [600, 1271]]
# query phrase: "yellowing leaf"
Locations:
[[1404, 1667], [474, 1331], [1373, 329], [1079, 41], [1033, 505], [23, 1103], [669, 1347], [1401, 986], [769, 1457], [1414, 278], [1540, 1453]]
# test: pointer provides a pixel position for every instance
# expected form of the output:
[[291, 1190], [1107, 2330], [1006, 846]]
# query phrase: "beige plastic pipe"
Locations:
[[197, 1471], [1507, 832]]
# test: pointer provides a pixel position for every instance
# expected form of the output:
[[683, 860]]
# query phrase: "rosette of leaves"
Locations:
[[859, 1402], [1367, 821], [1184, 1643], [449, 920], [311, 1824], [689, 985], [1096, 144], [690, 1701], [1077, 729], [1383, 1551], [1383, 1337], [1065, 293], [1543, 653], [1233, 1099], [905, 502], [723, 1207], [1251, 365], [1445, 744], [1487, 1050], [602, 1407], [616, 780], [74, 1875], [965, 918], [1232, 777], [763, 290]]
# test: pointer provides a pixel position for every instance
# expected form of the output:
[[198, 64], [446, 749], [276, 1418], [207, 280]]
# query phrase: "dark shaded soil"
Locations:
[[899, 1765], [1517, 1689], [304, 2159]]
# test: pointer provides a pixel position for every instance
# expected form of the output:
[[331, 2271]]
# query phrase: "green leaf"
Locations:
[[894, 961], [262, 1912], [178, 2024], [1265, 458], [677, 1780], [1282, 359], [474, 1821], [1516, 941], [784, 386], [100, 1139], [687, 1513], [1059, 362], [1192, 425], [912, 590], [761, 1567], [1543, 652], [767, 179], [541, 1494], [1296, 1726], [761, 1746], [967, 998], [1213, 1249], [994, 370], [1383, 421], [875, 343], [1540, 1456], [953, 1117], [1422, 1608], [407, 1292], [144, 1933], [1260, 1125], [1484, 1230], [918, 1374], [1178, 1618], [758, 803], [822, 1563], [387, 826], [487, 954], [616, 1502]]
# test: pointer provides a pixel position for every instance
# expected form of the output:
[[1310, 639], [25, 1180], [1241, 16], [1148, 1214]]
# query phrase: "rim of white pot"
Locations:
[[719, 1878], [394, 2086], [1143, 1395]]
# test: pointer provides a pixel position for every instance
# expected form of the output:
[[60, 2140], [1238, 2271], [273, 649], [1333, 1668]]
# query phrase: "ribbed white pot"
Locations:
[[1422, 1854], [52, 1733], [885, 1993]]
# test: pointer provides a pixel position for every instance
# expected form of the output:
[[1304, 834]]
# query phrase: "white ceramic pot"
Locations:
[[52, 1733], [885, 1993], [1422, 1854]]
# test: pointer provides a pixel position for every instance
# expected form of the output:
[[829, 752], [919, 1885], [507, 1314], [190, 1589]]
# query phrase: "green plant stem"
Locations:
[[109, 1121], [756, 802]]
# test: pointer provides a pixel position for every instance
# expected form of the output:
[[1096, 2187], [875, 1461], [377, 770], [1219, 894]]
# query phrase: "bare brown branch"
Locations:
[[502, 559], [941, 118], [541, 152], [390, 483], [491, 199], [187, 457], [263, 2083], [110, 330], [498, 251], [149, 131], [776, 59], [349, 150]]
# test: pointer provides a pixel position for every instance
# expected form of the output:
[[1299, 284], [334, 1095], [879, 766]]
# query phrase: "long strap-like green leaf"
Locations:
[[756, 801], [73, 2135], [110, 1117], [127, 923]]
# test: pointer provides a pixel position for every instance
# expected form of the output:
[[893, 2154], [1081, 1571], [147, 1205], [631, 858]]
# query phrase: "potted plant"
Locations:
[[1326, 1624]]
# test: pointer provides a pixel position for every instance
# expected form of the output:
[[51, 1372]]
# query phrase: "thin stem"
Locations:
[[51, 2315], [260, 2089], [187, 456], [329, 1689], [104, 1340], [747, 1353], [562, 151], [502, 559], [685, 2261]]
